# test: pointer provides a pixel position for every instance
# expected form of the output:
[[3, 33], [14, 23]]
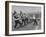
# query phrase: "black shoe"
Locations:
[[14, 26]]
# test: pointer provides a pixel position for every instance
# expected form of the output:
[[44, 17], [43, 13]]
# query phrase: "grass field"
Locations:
[[29, 26]]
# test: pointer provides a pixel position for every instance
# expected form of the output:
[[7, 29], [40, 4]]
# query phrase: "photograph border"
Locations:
[[7, 17]]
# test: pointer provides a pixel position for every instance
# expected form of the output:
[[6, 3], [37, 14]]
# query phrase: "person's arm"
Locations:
[[17, 19]]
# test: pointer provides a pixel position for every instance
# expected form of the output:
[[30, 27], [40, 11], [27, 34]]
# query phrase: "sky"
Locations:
[[26, 9]]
